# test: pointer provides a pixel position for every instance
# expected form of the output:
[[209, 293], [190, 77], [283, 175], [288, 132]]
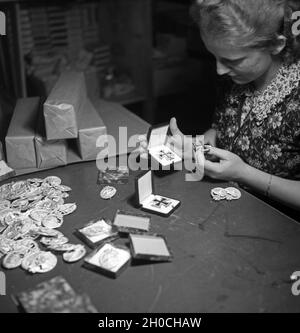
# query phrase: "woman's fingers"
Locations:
[[144, 144], [210, 143], [211, 167], [220, 153], [142, 140], [174, 128]]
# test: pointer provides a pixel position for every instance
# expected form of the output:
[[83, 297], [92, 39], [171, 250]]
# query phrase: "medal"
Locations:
[[39, 262], [35, 180], [6, 244], [67, 209], [53, 180], [25, 246], [53, 241], [52, 222], [63, 247], [43, 231], [13, 260], [63, 188], [21, 204], [108, 192], [4, 204], [229, 194], [39, 214], [75, 255], [233, 192], [218, 193]]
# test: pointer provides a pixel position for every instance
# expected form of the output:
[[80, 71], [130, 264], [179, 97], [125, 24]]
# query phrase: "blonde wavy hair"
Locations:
[[250, 23]]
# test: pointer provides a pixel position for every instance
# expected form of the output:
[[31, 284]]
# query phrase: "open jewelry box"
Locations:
[[127, 222], [150, 202], [150, 247], [108, 259], [97, 232], [158, 147]]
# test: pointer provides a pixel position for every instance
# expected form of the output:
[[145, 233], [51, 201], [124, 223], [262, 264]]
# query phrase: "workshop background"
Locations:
[[144, 54]]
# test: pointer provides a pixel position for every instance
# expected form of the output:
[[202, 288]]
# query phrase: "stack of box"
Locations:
[[90, 128], [49, 153], [39, 135], [20, 138], [63, 105]]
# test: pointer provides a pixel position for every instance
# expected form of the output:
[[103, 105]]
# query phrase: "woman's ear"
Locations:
[[280, 45]]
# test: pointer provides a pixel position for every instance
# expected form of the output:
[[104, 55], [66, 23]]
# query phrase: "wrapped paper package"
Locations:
[[62, 106], [51, 153], [90, 128], [20, 147], [5, 171]]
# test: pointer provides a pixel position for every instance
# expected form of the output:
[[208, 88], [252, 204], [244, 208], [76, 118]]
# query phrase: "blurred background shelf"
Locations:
[[151, 46]]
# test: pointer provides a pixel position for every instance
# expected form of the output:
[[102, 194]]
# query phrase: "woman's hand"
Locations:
[[180, 143], [210, 137], [142, 149], [229, 166]]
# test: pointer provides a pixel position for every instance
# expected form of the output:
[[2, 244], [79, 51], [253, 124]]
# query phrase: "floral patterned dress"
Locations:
[[263, 128]]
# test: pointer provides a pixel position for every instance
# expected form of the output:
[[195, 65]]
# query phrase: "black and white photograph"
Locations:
[[150, 161]]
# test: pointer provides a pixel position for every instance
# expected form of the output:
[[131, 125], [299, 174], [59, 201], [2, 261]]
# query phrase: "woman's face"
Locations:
[[243, 65]]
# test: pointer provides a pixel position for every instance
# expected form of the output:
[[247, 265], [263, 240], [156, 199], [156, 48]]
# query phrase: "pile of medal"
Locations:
[[229, 193], [30, 212]]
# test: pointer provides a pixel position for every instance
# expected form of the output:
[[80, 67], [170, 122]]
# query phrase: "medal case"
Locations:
[[96, 232], [158, 147], [150, 202], [126, 222], [150, 247], [108, 259]]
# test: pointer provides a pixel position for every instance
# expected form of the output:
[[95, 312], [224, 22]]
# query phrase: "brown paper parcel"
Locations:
[[51, 153], [20, 147], [62, 106], [90, 128]]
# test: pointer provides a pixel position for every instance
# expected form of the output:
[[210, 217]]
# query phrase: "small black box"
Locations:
[[108, 259], [150, 247], [150, 202], [127, 222], [97, 232]]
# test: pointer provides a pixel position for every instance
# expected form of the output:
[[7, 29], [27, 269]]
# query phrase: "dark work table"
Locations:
[[228, 256]]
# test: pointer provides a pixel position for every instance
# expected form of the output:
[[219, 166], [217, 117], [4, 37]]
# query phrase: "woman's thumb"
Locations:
[[173, 127]]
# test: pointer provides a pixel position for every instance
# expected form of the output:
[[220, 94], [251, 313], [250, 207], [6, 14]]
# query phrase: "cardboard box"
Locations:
[[51, 153], [20, 147], [5, 173], [62, 106], [90, 128]]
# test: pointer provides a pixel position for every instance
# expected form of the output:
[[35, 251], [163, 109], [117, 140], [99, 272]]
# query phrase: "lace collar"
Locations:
[[262, 103]]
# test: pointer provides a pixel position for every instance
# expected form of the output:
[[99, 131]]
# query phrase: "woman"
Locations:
[[255, 136]]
